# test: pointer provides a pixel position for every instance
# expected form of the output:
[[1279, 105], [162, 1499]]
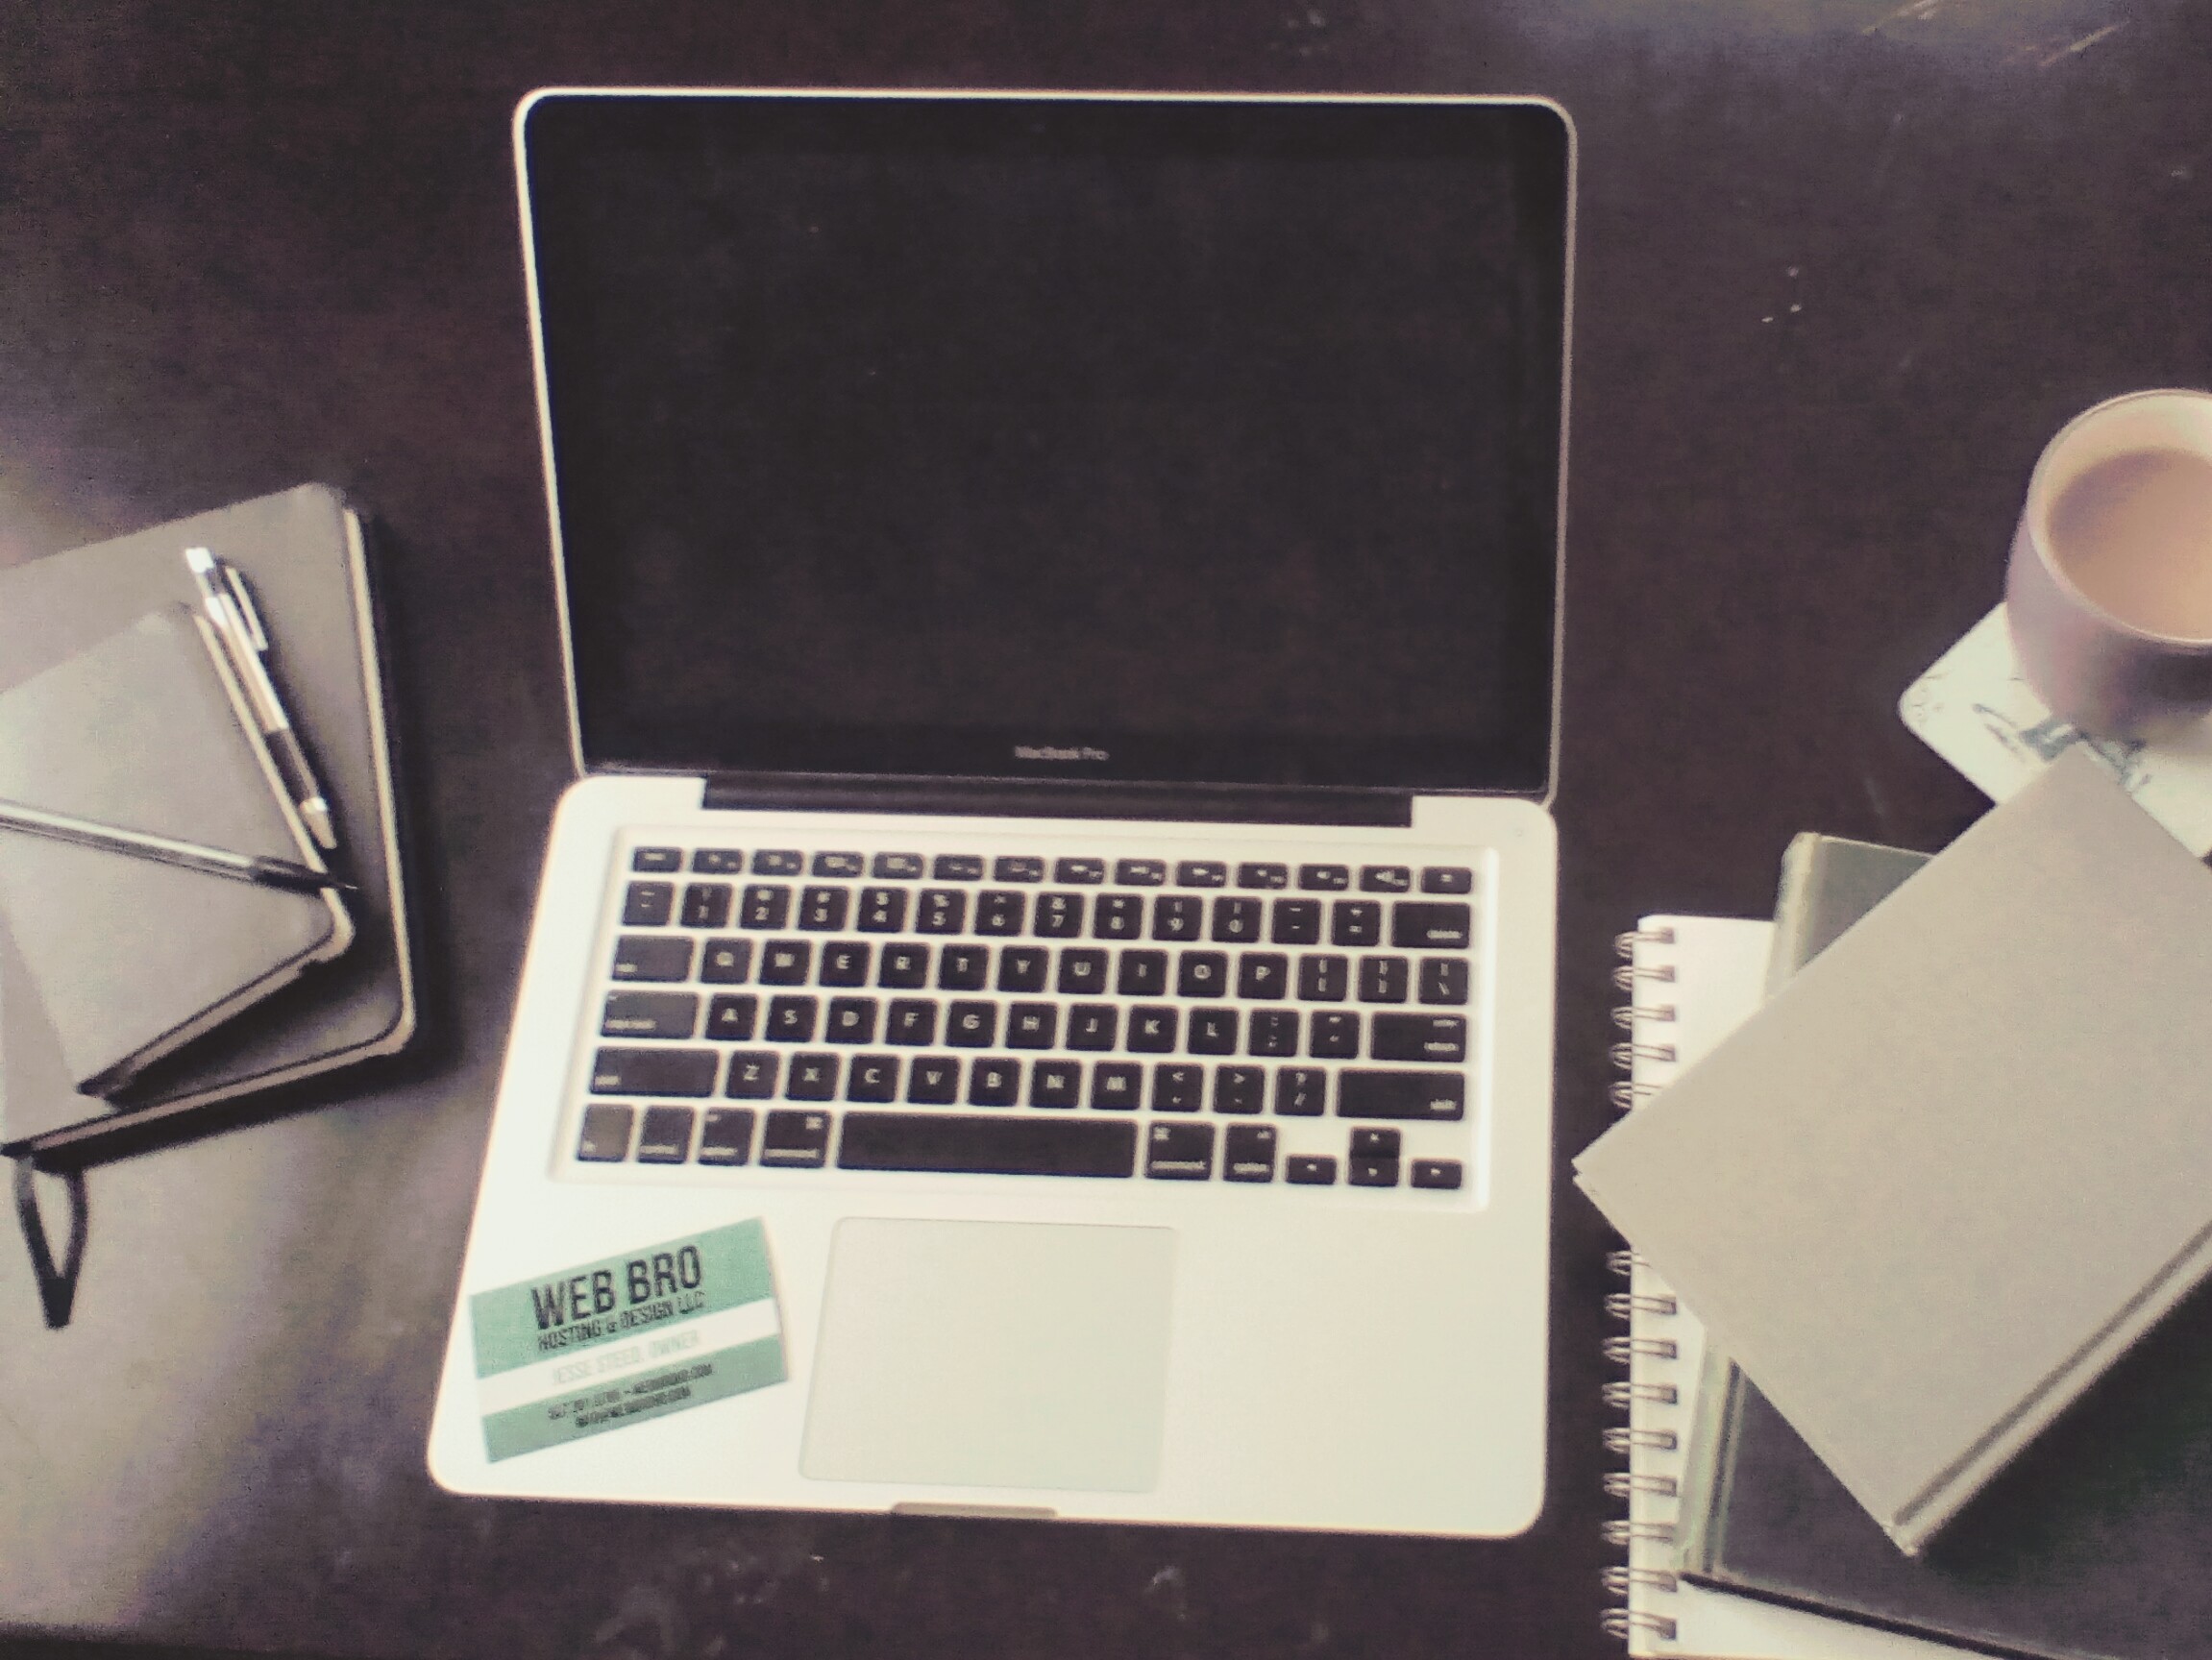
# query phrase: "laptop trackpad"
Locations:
[[992, 1355]]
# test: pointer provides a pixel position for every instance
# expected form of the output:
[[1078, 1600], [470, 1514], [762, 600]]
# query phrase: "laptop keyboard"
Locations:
[[1307, 1024]]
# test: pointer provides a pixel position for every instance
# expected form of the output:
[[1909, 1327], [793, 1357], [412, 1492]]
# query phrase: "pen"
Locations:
[[231, 608], [168, 850]]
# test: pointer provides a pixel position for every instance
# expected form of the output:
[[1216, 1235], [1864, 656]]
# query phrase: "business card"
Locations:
[[604, 1345]]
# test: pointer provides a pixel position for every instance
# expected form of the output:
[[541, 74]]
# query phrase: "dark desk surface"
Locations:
[[1844, 265]]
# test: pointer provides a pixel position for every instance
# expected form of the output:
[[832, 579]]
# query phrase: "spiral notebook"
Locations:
[[1689, 981]]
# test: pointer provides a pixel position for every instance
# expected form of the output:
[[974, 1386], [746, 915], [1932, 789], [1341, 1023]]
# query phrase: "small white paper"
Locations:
[[1974, 709]]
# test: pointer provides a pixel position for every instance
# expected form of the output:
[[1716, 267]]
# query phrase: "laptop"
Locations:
[[1039, 996]]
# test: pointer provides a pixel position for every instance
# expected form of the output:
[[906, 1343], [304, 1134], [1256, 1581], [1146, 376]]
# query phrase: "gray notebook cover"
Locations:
[[1959, 1164], [128, 958]]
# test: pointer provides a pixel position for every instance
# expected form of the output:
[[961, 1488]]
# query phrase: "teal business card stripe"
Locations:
[[687, 1382]]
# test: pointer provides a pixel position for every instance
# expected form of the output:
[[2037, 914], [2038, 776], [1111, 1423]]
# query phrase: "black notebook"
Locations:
[[302, 555], [2092, 1543]]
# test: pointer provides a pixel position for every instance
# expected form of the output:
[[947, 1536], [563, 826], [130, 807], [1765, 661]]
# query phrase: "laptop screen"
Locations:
[[1035, 438]]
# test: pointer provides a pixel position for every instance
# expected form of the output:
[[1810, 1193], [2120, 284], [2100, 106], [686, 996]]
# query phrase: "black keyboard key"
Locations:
[[1017, 867], [1079, 872], [706, 905], [1237, 919], [1056, 1084], [1258, 874], [1322, 979], [1356, 922], [971, 1025], [605, 1137], [796, 1140], [1430, 926], [913, 1020], [654, 858], [1141, 974], [1119, 916], [654, 1071], [852, 1020], [726, 1135], [753, 1074], [882, 909], [786, 962], [895, 866], [764, 907], [1403, 1095], [1438, 1038], [872, 1079], [1377, 1143], [1296, 922], [1058, 915], [999, 911], [823, 910], [726, 961], [845, 963], [1305, 1170], [1239, 1088], [1213, 1032], [1152, 1029], [1274, 1032], [1386, 879], [719, 861], [905, 968], [1334, 1036], [1032, 1025], [1324, 878], [731, 1016], [838, 865], [964, 968], [1382, 979], [957, 868], [659, 957], [778, 862], [1179, 1152], [943, 911], [1263, 974], [1092, 1026], [1202, 974], [987, 1146], [1022, 967], [1373, 1172], [1443, 979], [1177, 1087], [1248, 1153], [1176, 917], [649, 1014], [1116, 1085], [1300, 1091], [665, 1136], [1436, 1173], [1140, 873], [1082, 971], [933, 1081], [993, 1083], [647, 904], [1201, 873], [790, 1020], [1446, 879]]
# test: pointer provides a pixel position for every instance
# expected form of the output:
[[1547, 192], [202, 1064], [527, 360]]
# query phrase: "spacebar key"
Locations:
[[1431, 1094], [987, 1146]]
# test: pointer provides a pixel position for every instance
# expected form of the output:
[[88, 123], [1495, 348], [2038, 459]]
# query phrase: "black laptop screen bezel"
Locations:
[[1528, 142]]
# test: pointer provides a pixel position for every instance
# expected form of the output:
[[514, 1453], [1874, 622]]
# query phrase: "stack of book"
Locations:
[[201, 891]]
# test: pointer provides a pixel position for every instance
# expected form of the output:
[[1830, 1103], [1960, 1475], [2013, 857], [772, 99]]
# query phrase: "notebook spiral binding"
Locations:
[[1635, 1580]]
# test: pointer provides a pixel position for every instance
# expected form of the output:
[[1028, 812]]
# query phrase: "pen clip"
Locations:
[[256, 635]]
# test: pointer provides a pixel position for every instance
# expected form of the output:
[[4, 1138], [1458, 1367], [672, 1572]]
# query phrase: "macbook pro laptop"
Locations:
[[1039, 998]]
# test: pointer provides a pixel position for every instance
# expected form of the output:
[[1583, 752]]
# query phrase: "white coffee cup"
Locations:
[[2108, 593]]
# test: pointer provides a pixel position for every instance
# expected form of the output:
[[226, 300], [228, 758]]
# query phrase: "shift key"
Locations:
[[1401, 1095], [654, 1071]]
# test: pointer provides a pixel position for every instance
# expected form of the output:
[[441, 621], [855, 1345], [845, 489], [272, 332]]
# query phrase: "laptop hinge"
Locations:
[[1014, 798]]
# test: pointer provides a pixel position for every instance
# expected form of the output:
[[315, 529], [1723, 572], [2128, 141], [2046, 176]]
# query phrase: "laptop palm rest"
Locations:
[[992, 1355]]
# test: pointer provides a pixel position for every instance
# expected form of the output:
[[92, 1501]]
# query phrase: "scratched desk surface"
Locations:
[[1843, 266]]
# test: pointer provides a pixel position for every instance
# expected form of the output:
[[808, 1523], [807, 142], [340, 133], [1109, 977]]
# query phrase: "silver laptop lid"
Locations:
[[1196, 441]]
